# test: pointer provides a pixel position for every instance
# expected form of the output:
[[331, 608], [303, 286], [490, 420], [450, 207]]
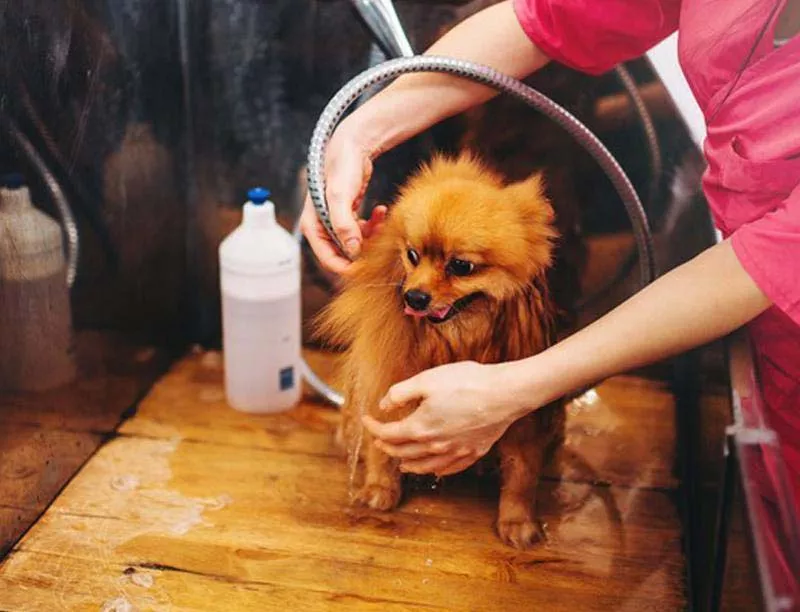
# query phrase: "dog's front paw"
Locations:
[[520, 533], [379, 497]]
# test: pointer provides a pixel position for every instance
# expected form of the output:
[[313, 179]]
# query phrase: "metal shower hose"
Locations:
[[24, 145], [485, 75]]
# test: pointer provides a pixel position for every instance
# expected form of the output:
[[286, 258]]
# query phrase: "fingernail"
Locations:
[[352, 247]]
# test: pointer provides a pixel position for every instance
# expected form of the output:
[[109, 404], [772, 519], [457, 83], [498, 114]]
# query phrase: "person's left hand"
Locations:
[[461, 414]]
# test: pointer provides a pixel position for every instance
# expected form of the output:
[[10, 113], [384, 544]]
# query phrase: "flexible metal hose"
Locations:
[[94, 217], [656, 170], [59, 199], [649, 128], [391, 69], [380, 18]]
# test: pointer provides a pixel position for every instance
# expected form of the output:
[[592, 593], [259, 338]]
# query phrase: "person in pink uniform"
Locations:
[[749, 90]]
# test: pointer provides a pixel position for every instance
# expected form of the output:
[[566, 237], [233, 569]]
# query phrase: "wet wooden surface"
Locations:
[[197, 507], [46, 437]]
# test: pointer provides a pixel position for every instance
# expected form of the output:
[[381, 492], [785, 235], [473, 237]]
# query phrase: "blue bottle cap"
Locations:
[[258, 195], [12, 180]]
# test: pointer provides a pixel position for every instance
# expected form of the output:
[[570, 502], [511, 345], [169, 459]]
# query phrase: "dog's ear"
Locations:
[[529, 198], [537, 217]]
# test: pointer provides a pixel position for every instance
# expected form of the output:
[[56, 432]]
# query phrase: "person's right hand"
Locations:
[[348, 168]]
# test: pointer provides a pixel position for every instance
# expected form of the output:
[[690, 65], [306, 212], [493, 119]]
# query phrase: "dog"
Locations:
[[457, 272]]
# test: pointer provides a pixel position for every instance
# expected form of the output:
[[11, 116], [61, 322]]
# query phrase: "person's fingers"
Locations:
[[379, 213], [403, 393], [370, 227], [414, 450], [343, 197], [459, 464], [432, 464], [397, 432], [378, 218], [326, 251]]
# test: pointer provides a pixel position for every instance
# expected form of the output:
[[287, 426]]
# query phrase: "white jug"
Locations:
[[261, 326], [36, 339]]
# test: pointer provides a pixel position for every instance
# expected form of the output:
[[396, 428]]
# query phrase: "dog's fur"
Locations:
[[453, 208]]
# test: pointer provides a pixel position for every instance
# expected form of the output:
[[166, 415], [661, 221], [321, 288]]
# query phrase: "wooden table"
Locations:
[[194, 506]]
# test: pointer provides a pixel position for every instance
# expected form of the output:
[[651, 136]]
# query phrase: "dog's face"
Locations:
[[462, 236]]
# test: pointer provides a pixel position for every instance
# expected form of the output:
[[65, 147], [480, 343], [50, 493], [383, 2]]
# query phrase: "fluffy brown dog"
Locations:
[[457, 273]]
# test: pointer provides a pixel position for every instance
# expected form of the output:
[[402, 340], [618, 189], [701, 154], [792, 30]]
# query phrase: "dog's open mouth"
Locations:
[[444, 313]]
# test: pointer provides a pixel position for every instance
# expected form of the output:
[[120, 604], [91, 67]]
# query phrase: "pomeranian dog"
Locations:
[[457, 272]]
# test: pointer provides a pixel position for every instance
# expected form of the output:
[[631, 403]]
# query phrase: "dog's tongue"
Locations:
[[436, 313], [440, 313]]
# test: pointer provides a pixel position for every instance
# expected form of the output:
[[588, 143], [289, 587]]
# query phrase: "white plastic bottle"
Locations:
[[260, 283]]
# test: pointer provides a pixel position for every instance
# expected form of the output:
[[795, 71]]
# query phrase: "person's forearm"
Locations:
[[696, 303], [415, 102]]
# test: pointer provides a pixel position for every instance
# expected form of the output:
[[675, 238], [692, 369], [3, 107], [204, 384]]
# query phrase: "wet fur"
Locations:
[[452, 206]]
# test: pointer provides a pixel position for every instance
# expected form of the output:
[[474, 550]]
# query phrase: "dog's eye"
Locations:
[[413, 257], [460, 267]]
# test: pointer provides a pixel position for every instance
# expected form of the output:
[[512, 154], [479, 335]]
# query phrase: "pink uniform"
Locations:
[[749, 92]]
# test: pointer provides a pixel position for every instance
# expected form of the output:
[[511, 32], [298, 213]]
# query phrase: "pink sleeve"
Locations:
[[593, 36], [769, 250]]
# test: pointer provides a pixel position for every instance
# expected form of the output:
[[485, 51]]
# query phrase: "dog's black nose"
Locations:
[[418, 300]]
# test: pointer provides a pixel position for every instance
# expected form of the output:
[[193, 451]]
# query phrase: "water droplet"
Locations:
[[127, 482], [143, 580], [120, 604]]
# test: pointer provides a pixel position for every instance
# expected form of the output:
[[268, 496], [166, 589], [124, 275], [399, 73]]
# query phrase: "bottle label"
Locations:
[[286, 379]]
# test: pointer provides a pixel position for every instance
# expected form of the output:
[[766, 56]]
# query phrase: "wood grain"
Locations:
[[605, 440], [197, 507], [46, 437], [35, 463]]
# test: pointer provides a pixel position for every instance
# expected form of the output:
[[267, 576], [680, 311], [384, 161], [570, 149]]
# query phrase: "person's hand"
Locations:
[[462, 412], [348, 168]]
